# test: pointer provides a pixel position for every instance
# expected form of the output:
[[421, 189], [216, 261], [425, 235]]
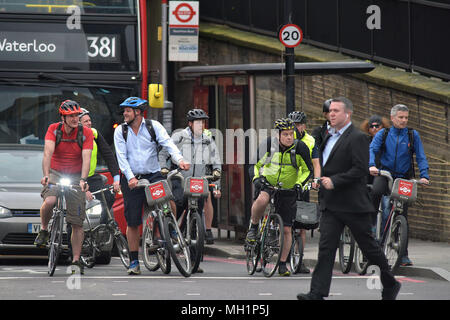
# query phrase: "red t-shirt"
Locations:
[[67, 156]]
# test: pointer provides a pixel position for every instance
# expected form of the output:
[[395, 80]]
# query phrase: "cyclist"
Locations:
[[67, 153], [299, 119], [136, 144], [319, 133], [396, 150], [94, 180], [277, 167], [198, 146]]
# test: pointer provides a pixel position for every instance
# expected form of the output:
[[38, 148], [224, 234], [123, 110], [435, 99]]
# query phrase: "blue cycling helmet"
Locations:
[[135, 103]]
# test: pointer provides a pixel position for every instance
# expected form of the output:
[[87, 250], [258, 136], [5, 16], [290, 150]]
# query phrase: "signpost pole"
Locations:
[[290, 61], [164, 46]]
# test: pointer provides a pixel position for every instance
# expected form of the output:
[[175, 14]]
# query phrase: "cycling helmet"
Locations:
[[297, 117], [196, 114], [135, 103], [68, 107], [326, 105], [284, 124], [83, 112]]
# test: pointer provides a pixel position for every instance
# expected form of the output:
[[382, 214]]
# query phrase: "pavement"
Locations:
[[430, 259]]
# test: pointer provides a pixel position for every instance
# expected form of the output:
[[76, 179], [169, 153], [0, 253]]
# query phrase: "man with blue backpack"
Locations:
[[396, 146]]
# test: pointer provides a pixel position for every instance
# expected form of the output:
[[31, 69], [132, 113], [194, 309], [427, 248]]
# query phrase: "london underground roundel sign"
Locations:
[[290, 35]]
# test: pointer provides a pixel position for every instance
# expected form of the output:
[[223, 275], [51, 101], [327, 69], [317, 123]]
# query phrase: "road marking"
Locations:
[[265, 294], [406, 293], [192, 294], [47, 296], [335, 294], [119, 294]]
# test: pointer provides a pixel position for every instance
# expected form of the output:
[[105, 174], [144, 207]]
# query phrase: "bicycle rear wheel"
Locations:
[[197, 239], [395, 242], [272, 244], [122, 248], [55, 243], [178, 248], [296, 252], [88, 251], [346, 250]]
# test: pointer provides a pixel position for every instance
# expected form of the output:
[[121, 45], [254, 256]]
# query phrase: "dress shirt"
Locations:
[[139, 154], [335, 135]]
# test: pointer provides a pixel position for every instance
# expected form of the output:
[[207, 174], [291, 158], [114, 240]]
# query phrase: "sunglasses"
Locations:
[[374, 126]]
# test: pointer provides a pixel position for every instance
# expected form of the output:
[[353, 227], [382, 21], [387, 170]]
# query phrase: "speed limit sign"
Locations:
[[290, 35]]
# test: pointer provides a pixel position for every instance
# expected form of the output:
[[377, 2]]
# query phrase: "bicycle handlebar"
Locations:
[[104, 189]]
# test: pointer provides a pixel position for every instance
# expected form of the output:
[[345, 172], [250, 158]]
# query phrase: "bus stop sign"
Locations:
[[290, 35]]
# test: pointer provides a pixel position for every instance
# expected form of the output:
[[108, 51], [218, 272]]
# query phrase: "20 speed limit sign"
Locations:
[[290, 35]]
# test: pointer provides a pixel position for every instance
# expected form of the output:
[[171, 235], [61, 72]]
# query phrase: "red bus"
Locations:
[[93, 52]]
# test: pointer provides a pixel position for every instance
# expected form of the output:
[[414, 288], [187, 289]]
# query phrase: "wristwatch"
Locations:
[[84, 179]]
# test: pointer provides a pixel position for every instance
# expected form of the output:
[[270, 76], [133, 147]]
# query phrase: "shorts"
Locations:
[[134, 200], [285, 204], [75, 200]]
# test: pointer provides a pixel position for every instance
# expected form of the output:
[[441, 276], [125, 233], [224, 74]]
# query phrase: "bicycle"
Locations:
[[162, 220], [269, 240], [98, 241], [394, 236], [195, 188], [57, 224], [346, 250]]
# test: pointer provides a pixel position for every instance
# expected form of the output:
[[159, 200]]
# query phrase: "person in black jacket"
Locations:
[[319, 133], [94, 179], [344, 200]]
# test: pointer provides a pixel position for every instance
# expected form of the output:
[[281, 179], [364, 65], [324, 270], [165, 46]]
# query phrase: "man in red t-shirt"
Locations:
[[71, 160]]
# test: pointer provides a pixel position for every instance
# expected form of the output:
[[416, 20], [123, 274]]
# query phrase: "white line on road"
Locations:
[[265, 294], [119, 294], [192, 294], [47, 296]]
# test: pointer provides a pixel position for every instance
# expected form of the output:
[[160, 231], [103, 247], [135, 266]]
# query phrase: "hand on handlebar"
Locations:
[[89, 196], [44, 181], [424, 181], [184, 165], [374, 171], [116, 186], [84, 186], [133, 183]]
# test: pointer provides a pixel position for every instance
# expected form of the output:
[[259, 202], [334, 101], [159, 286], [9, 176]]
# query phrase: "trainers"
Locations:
[[134, 268], [391, 293], [303, 269], [199, 270], [406, 262], [283, 270], [77, 267], [209, 239], [251, 235], [41, 239]]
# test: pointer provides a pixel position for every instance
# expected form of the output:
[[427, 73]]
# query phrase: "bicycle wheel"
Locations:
[[197, 239], [178, 248], [395, 243], [296, 252], [272, 244], [55, 241], [361, 262], [88, 250], [346, 250], [122, 248], [155, 255], [103, 243], [252, 254]]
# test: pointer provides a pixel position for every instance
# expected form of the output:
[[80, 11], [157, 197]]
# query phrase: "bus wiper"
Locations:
[[25, 83], [48, 76]]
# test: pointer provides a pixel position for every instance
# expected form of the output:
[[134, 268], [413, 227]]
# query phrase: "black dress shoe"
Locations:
[[391, 293], [309, 296]]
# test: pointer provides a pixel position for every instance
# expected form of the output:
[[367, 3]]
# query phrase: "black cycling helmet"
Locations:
[[196, 114], [326, 105], [284, 124], [69, 107], [297, 116], [135, 103]]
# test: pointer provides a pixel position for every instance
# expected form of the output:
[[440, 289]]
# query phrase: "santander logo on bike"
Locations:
[[405, 188], [196, 186], [157, 191]]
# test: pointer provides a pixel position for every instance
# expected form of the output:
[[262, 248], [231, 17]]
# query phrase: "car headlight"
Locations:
[[95, 211], [5, 213]]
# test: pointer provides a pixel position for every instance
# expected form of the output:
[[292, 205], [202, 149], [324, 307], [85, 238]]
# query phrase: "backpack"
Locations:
[[150, 129], [292, 153], [78, 140], [410, 148]]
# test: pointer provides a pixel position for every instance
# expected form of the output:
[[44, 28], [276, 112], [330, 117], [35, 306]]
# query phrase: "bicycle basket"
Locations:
[[196, 187], [404, 190], [307, 216], [158, 192]]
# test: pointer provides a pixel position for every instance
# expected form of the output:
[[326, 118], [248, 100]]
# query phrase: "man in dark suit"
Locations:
[[344, 200]]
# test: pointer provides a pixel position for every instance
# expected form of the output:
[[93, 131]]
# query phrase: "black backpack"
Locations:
[[78, 140], [151, 131], [410, 148]]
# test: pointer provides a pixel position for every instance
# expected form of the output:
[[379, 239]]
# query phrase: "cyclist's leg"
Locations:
[[259, 205], [379, 188], [286, 207], [46, 211]]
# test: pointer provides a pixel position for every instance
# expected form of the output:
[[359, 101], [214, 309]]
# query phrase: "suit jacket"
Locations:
[[348, 168]]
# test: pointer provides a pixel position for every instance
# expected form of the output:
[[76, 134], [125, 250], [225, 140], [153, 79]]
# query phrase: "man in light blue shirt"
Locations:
[[137, 155], [335, 135]]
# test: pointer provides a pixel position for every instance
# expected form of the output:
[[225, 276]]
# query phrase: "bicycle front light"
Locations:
[[64, 182], [95, 211], [5, 213]]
